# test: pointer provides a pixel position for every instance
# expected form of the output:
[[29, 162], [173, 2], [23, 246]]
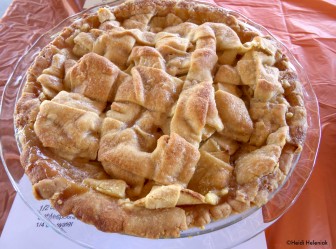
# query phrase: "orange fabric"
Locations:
[[307, 27], [23, 23]]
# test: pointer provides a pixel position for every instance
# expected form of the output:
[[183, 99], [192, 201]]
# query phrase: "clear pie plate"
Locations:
[[220, 234]]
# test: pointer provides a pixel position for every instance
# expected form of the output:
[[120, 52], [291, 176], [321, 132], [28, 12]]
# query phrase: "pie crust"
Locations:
[[153, 117]]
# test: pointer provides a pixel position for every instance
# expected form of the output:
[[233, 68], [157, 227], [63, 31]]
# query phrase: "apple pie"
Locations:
[[153, 117]]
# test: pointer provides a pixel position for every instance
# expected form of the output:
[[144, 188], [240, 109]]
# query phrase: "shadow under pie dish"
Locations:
[[156, 116]]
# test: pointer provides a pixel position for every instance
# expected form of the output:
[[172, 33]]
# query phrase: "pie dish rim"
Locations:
[[93, 9]]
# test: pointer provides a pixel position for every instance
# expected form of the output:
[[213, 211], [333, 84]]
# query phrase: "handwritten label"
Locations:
[[53, 216], [22, 223]]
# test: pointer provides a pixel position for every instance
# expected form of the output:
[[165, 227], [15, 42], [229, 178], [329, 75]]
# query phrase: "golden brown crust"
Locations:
[[205, 118]]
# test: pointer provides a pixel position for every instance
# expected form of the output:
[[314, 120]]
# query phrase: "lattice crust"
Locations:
[[156, 116]]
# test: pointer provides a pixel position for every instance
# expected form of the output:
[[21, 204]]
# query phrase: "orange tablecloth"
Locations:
[[307, 27]]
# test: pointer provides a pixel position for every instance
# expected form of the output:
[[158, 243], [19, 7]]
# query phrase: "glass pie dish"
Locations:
[[233, 230]]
